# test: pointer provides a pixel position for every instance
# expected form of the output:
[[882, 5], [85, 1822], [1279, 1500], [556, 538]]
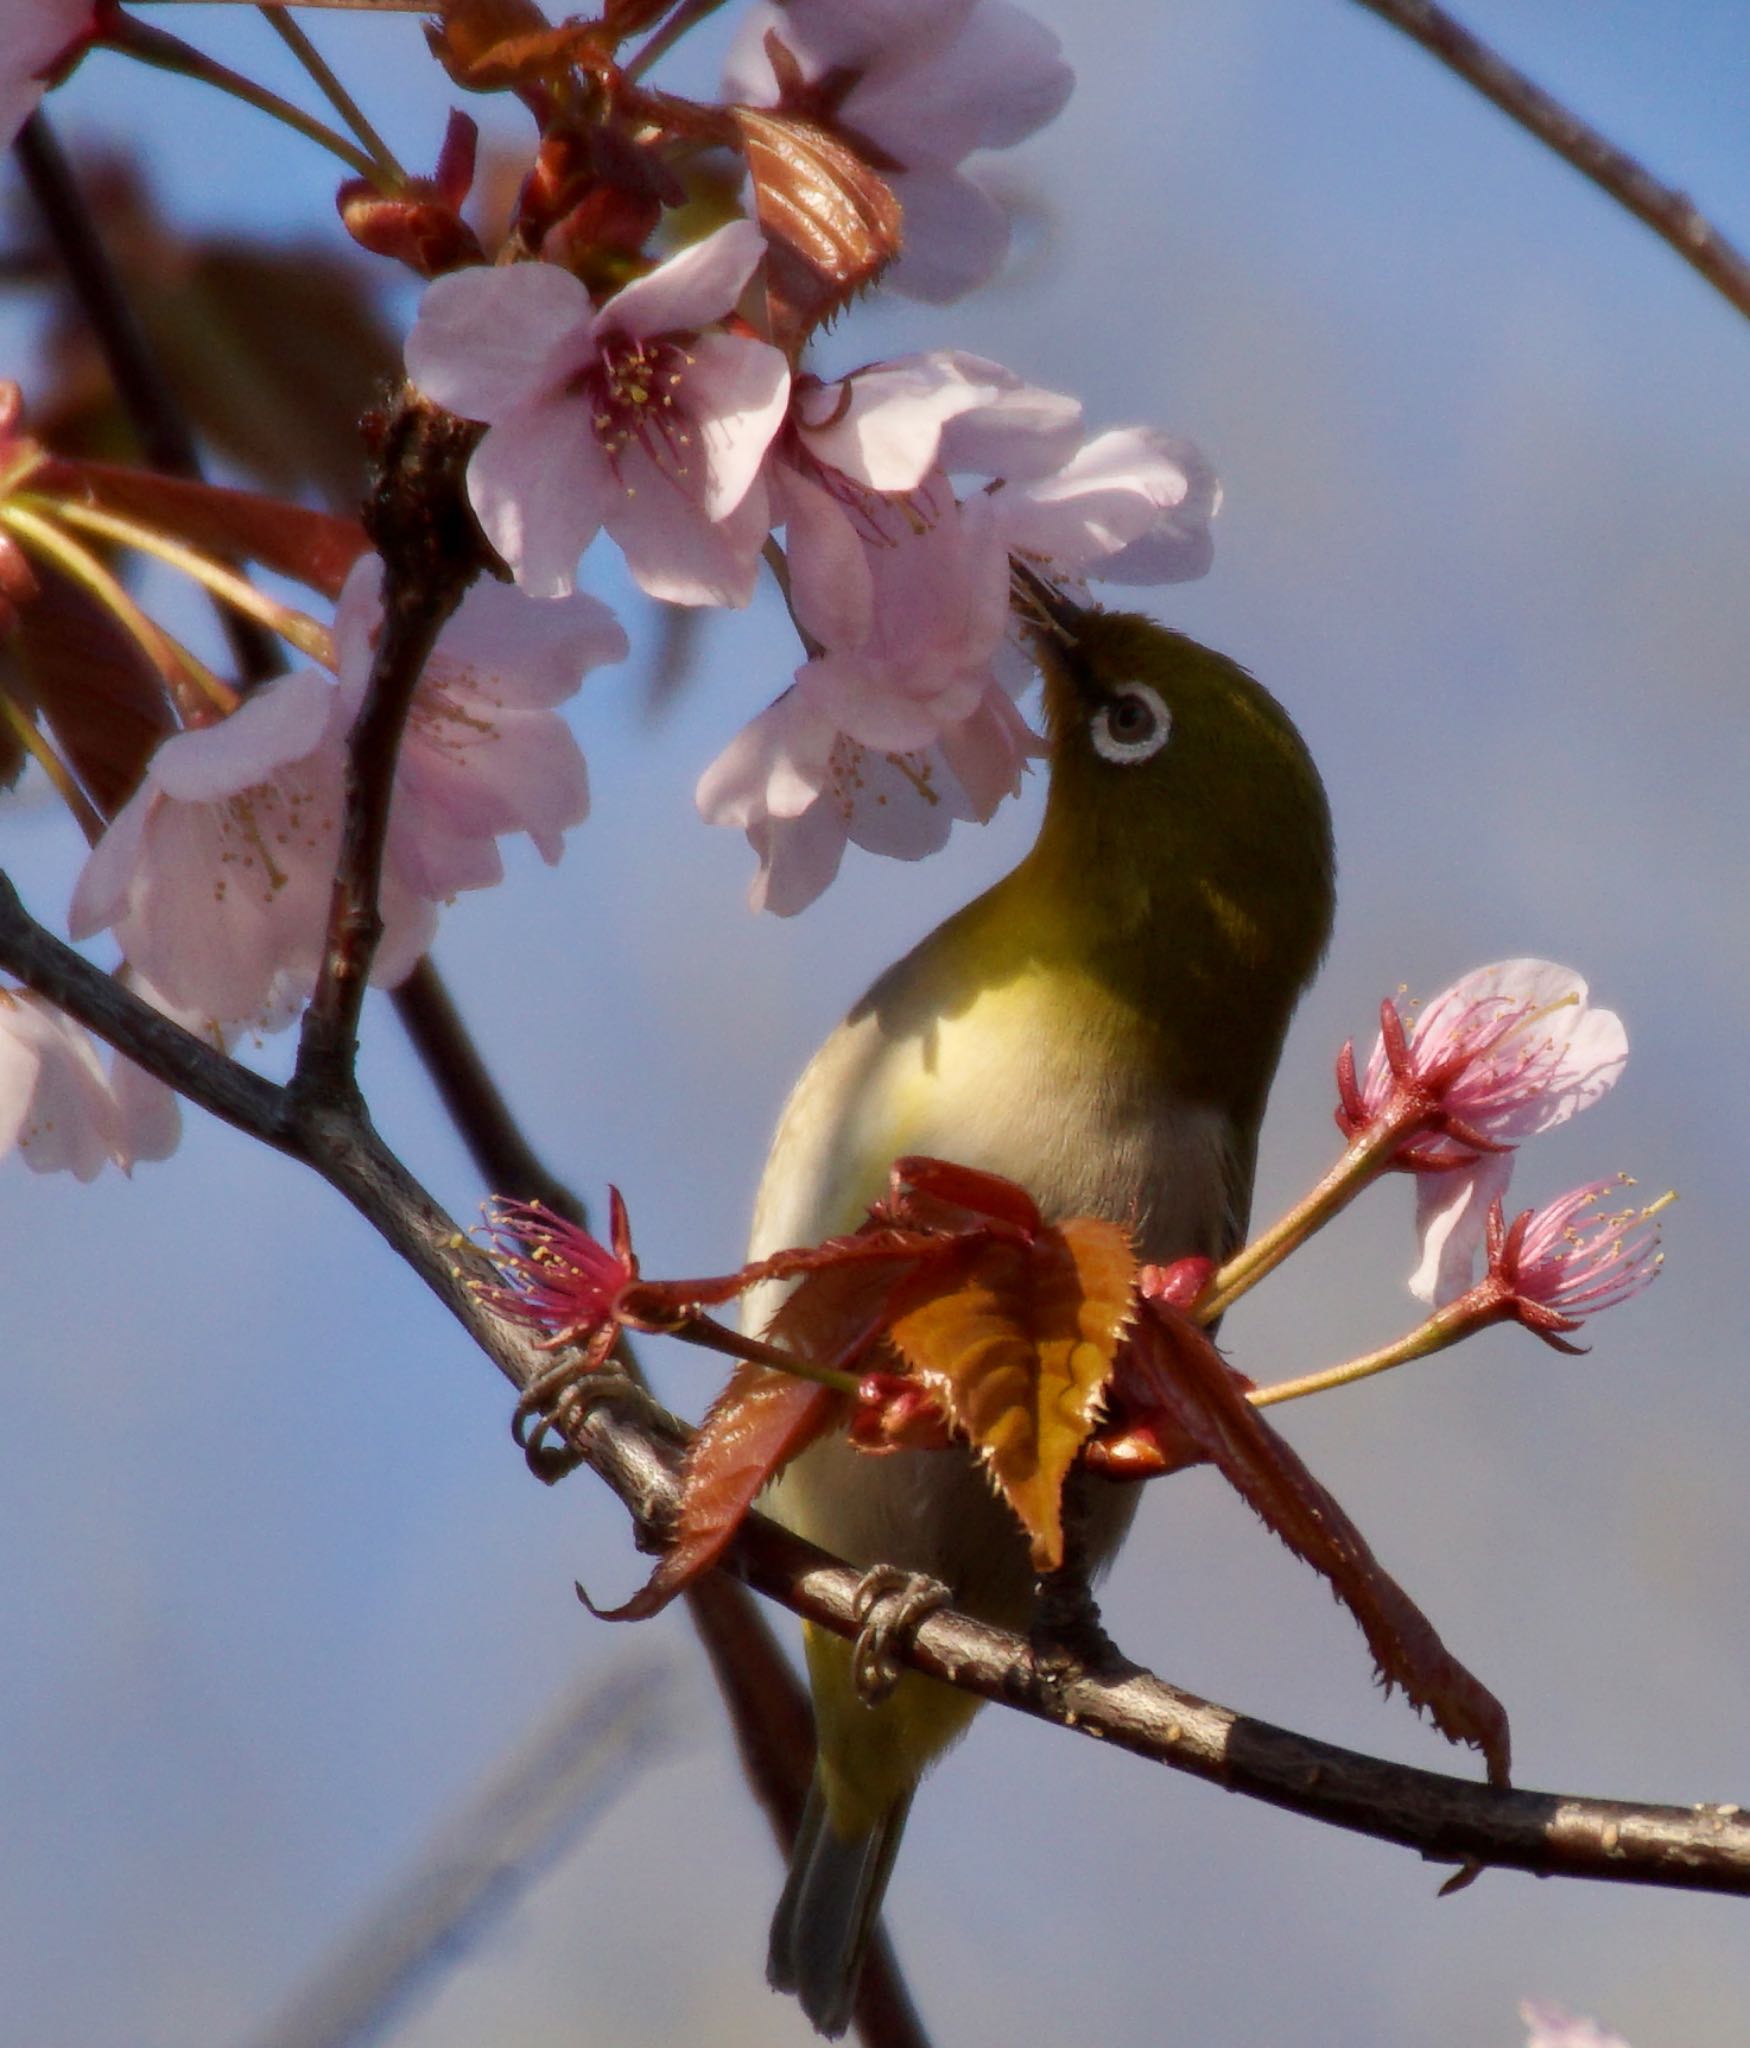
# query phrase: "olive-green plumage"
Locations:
[[1102, 1026]]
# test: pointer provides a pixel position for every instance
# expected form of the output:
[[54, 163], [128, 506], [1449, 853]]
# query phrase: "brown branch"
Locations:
[[765, 1690], [1672, 215], [418, 520], [636, 1448], [157, 420]]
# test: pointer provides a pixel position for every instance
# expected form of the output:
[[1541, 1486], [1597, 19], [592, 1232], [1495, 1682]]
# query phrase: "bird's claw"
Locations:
[[889, 1606], [550, 1406]]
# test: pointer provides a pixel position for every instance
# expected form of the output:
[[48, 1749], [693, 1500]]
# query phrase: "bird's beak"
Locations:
[[1052, 617]]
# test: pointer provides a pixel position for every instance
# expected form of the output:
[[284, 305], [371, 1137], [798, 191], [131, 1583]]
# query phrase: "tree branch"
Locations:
[[636, 1447], [157, 420], [1672, 215], [418, 520]]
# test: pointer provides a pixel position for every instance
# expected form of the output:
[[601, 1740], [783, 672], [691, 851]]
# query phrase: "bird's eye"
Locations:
[[1134, 725]]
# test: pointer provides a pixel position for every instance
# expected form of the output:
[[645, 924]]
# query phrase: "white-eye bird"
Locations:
[[1102, 1026]]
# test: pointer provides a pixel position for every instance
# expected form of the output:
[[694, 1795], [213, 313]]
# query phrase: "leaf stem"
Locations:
[[170, 53], [29, 736], [1367, 1157], [389, 172], [169, 656], [1445, 1327], [711, 1335], [306, 634]]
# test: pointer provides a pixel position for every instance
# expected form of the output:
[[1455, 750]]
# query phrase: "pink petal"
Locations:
[[100, 894], [489, 341], [956, 236], [798, 858], [55, 1105], [830, 584], [37, 36], [993, 85], [1451, 1209], [736, 393], [540, 484], [775, 766], [677, 553], [883, 426], [526, 652], [281, 722], [1120, 492], [690, 290], [1021, 431], [988, 753]]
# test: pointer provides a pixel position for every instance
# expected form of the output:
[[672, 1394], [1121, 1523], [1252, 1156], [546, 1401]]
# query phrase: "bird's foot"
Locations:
[[551, 1405], [1066, 1634], [889, 1606]]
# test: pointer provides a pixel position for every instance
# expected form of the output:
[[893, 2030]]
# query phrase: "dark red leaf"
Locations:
[[91, 684], [1170, 1366], [315, 548], [755, 1427]]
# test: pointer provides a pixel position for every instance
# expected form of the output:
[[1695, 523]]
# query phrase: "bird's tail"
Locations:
[[828, 1910]]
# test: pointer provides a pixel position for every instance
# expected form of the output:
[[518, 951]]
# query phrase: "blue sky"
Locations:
[[276, 1590]]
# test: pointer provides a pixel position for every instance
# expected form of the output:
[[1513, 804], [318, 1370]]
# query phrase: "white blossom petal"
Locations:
[[690, 290], [540, 488], [486, 342], [736, 394], [956, 236]]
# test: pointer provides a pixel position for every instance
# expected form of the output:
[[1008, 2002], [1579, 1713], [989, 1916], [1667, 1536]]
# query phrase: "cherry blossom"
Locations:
[[59, 1109], [215, 875], [1560, 1264], [1552, 2027], [802, 790], [921, 85], [628, 417], [1131, 505], [484, 752], [557, 1277], [40, 36], [1507, 1052]]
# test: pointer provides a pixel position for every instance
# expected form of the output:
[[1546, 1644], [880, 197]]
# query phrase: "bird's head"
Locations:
[[1186, 822]]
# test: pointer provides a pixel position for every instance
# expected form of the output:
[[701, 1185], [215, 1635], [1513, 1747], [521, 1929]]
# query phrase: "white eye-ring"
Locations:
[[1132, 727]]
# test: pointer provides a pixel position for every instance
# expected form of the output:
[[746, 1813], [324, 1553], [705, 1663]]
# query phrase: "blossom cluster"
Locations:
[[690, 445], [1506, 1053], [653, 399]]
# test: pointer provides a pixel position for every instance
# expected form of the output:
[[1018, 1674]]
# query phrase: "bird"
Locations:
[[1101, 1026]]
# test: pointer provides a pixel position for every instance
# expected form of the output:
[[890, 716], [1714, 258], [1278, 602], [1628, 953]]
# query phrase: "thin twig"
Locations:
[[1672, 215], [328, 83]]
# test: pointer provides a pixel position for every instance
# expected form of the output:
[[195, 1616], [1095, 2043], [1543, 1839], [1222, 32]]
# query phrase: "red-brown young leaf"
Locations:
[[313, 548], [1017, 1342], [754, 1428], [473, 33], [938, 1193], [91, 684], [1171, 1366], [514, 63], [832, 224]]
